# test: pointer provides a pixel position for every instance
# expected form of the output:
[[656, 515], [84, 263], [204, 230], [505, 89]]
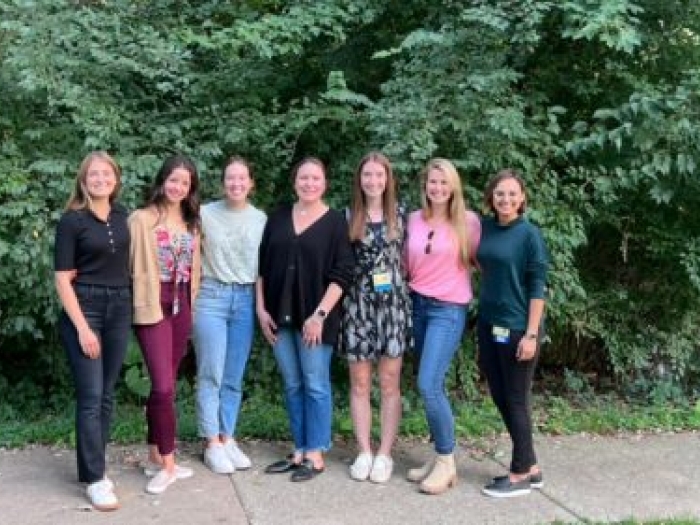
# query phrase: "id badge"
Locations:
[[500, 334], [381, 281]]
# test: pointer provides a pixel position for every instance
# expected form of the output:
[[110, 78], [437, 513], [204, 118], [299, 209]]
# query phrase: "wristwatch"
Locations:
[[321, 314]]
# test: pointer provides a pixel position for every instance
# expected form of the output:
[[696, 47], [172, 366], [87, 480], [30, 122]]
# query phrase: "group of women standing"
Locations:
[[373, 281]]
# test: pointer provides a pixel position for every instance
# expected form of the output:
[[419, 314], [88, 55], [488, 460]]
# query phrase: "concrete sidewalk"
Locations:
[[586, 478]]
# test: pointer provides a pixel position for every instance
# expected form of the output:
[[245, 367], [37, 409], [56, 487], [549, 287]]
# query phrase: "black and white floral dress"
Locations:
[[377, 324]]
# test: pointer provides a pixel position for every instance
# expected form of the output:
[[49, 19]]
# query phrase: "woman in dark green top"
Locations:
[[513, 261]]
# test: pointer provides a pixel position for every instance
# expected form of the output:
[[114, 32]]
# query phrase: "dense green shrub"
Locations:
[[596, 101]]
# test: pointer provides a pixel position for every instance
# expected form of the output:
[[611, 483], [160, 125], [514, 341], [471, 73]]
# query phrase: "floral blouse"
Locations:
[[175, 252]]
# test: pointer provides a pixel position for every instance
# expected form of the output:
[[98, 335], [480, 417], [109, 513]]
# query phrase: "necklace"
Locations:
[[302, 211]]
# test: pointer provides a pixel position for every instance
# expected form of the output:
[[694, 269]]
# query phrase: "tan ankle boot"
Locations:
[[442, 477], [420, 473]]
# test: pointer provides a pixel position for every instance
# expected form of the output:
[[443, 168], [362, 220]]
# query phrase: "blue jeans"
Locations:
[[107, 311], [223, 336], [307, 389], [437, 327]]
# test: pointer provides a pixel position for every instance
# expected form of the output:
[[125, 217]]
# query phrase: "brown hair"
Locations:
[[236, 159], [80, 197], [358, 206], [308, 160], [457, 207], [190, 205], [507, 173]]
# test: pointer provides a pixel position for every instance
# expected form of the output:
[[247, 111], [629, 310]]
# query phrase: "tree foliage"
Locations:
[[596, 101]]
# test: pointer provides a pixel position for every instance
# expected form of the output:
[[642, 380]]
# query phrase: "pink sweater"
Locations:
[[439, 274]]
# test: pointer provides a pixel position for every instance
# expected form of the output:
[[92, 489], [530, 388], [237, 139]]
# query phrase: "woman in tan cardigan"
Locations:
[[165, 269]]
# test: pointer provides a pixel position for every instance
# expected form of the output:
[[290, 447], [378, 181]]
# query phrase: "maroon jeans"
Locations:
[[164, 345]]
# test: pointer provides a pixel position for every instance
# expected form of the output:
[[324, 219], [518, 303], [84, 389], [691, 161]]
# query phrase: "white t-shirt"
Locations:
[[230, 242]]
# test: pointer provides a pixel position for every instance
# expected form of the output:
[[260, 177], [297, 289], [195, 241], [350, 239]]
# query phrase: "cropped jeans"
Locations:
[[438, 328], [307, 389], [107, 311], [223, 335]]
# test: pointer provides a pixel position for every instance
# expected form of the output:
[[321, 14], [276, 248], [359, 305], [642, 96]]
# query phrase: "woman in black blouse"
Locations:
[[91, 263], [305, 264]]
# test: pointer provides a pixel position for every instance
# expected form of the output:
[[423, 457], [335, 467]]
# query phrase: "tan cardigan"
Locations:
[[144, 267]]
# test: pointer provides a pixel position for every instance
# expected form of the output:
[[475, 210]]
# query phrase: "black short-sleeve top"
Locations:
[[97, 249]]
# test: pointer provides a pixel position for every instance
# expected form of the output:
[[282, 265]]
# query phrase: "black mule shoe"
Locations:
[[306, 471], [283, 465]]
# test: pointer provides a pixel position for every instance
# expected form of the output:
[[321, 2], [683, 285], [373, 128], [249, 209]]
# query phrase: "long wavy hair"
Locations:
[[80, 197], [358, 204], [456, 207], [190, 205]]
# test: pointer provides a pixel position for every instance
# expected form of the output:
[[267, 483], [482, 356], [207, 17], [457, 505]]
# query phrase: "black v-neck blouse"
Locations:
[[297, 268]]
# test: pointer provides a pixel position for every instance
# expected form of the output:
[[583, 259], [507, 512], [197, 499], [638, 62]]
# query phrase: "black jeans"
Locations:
[[108, 312], [510, 382]]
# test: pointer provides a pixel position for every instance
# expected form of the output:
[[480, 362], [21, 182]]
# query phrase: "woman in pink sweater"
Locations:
[[442, 240]]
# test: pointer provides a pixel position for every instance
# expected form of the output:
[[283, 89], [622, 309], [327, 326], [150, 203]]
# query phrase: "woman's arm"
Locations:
[[339, 278], [528, 344], [89, 342], [267, 325], [474, 236], [313, 326], [536, 277]]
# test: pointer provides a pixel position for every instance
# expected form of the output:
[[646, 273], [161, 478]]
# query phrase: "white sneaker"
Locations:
[[151, 469], [217, 459], [381, 469], [236, 456], [101, 495], [160, 482], [359, 470]]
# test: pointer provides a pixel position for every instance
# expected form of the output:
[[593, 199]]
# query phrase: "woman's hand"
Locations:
[[526, 348], [268, 326], [89, 343], [312, 330]]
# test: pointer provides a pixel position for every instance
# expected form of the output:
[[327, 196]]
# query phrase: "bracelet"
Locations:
[[531, 335]]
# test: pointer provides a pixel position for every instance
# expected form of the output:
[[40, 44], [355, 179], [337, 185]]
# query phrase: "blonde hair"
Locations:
[[456, 208], [358, 205], [80, 197]]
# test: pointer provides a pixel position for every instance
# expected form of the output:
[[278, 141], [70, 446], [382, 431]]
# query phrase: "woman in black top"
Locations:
[[305, 264], [92, 279]]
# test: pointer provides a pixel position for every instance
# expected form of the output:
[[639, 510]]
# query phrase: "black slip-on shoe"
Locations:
[[306, 471], [283, 465], [503, 487], [536, 480]]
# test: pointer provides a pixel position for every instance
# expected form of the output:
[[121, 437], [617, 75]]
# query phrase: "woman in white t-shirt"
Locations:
[[224, 317]]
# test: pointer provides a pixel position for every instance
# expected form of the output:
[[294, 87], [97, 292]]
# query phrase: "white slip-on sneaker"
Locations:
[[360, 469], [101, 495], [217, 460], [381, 469], [160, 482], [150, 469], [238, 458]]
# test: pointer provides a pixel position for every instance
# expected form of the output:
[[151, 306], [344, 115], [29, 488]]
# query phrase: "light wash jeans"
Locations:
[[307, 389], [437, 327], [223, 335]]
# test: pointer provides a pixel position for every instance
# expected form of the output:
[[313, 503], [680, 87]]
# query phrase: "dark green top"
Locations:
[[513, 261]]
